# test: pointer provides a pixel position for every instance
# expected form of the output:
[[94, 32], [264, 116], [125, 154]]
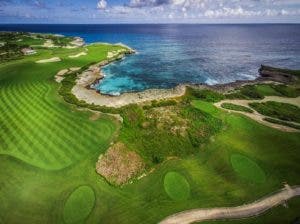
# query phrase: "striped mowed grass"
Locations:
[[37, 127]]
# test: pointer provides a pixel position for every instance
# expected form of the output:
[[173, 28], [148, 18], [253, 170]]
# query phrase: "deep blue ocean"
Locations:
[[172, 54]]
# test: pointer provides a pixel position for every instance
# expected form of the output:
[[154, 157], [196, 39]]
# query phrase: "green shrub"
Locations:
[[235, 107], [282, 111], [282, 123], [206, 95]]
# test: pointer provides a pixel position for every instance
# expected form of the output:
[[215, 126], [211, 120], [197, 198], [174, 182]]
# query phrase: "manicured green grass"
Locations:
[[36, 125], [282, 111], [79, 204], [176, 186], [247, 168], [231, 106]]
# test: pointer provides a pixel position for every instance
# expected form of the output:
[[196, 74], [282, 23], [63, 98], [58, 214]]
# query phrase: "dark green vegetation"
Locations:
[[176, 186], [231, 106], [247, 168], [275, 121], [79, 205], [49, 149], [261, 90], [206, 95], [282, 111], [159, 133]]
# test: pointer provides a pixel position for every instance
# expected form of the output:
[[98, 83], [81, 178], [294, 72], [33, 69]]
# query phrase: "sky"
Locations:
[[149, 11]]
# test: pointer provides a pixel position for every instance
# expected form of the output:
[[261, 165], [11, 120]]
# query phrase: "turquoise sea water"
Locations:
[[172, 54]]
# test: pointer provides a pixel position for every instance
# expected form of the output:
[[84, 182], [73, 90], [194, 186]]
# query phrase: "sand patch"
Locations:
[[95, 116], [118, 165], [48, 43], [54, 59], [60, 75], [78, 55]]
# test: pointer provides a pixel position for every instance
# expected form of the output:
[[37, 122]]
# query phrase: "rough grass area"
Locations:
[[248, 169], [79, 205], [176, 186], [282, 123], [282, 111], [231, 106], [159, 133], [118, 165]]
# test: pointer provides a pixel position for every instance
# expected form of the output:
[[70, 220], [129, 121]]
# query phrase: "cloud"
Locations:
[[102, 4]]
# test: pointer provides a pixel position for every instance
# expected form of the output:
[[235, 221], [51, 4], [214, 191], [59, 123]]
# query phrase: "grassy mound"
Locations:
[[231, 106], [282, 111], [176, 186], [247, 168], [79, 204]]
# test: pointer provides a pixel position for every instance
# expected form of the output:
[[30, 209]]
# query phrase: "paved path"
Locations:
[[245, 211], [259, 117]]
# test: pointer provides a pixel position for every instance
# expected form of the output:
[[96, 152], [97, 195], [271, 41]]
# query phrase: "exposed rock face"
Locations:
[[277, 74], [118, 165]]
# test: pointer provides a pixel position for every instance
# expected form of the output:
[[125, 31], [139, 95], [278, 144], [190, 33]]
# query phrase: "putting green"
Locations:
[[176, 186], [247, 168], [79, 204]]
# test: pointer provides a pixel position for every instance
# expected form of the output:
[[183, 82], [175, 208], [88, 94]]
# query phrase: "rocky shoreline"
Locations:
[[83, 91]]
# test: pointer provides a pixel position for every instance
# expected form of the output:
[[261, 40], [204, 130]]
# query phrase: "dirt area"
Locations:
[[118, 165], [54, 59], [259, 117]]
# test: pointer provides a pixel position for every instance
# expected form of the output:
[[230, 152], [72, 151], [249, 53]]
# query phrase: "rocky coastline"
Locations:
[[83, 91]]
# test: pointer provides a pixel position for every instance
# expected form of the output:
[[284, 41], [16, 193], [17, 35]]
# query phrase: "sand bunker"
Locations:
[[48, 43], [54, 59], [60, 75], [78, 55]]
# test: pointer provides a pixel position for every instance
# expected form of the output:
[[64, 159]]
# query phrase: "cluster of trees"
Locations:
[[9, 48]]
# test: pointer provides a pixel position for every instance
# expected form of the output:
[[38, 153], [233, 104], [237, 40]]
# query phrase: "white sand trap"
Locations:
[[48, 43], [77, 55], [60, 75], [54, 59]]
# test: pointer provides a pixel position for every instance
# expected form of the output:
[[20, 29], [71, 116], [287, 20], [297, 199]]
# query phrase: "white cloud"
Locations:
[[102, 4]]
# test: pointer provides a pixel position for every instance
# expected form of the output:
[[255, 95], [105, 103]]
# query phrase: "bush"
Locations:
[[206, 95], [282, 123], [235, 107], [282, 111]]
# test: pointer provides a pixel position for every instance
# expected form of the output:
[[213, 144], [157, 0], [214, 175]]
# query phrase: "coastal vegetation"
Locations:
[[231, 106], [193, 154], [259, 91], [282, 111]]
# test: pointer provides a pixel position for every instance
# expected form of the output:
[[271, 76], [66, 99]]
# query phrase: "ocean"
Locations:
[[171, 54]]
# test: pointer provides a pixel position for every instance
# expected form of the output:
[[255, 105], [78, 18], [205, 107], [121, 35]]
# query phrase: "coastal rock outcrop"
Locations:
[[277, 74]]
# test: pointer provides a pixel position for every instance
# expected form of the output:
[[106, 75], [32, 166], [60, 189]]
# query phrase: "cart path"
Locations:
[[259, 117], [245, 211]]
